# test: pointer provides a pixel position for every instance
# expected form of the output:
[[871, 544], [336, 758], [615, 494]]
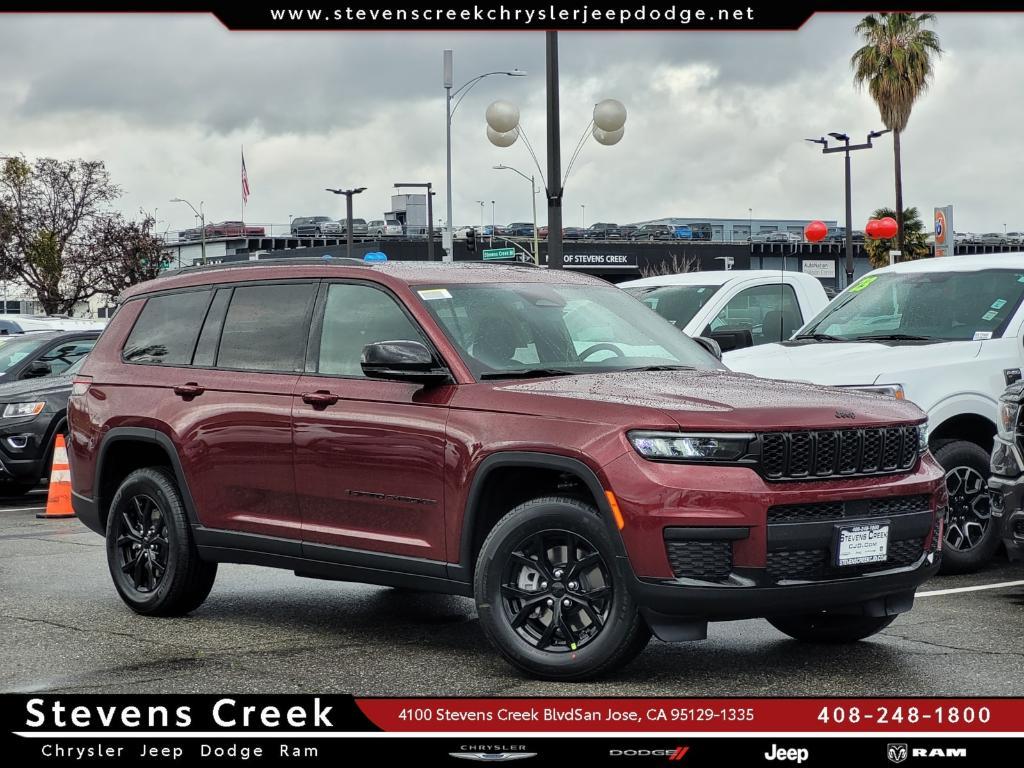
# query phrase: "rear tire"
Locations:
[[971, 537], [151, 554], [826, 628], [543, 554]]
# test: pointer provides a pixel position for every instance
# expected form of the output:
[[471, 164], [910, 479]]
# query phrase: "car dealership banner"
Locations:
[[149, 729], [945, 238]]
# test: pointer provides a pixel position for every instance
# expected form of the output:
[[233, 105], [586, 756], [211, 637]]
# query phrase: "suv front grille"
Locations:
[[843, 453], [825, 511], [705, 560], [814, 564]]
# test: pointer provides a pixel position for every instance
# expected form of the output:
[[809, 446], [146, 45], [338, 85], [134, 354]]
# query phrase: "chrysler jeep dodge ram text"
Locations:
[[536, 439]]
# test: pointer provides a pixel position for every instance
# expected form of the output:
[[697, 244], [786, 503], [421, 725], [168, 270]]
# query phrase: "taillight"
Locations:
[[80, 385]]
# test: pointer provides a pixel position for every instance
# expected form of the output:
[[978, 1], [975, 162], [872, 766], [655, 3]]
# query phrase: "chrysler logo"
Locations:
[[845, 415], [896, 753], [493, 757]]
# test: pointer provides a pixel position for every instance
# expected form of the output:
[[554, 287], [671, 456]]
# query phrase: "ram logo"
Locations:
[[896, 753]]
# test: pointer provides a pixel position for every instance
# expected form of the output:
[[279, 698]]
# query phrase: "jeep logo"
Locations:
[[845, 414]]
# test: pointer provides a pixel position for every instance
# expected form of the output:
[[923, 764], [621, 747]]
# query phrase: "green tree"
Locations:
[[915, 239], [896, 63]]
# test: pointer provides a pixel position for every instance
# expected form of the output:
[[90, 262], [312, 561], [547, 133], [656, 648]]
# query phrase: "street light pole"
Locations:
[[492, 223], [583, 216], [202, 225], [348, 193], [554, 156], [847, 148], [449, 82], [533, 199]]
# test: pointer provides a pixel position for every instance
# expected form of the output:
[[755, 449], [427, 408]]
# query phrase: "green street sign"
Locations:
[[493, 254]]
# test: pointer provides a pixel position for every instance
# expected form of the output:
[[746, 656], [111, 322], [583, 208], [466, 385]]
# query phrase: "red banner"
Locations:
[[556, 715]]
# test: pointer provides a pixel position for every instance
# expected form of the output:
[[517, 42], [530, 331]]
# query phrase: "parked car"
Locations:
[[736, 308], [520, 229], [627, 231], [385, 228], [784, 237], [32, 413], [760, 237], [573, 233], [19, 324], [993, 238], [42, 354], [963, 238], [359, 228], [654, 232], [315, 226], [943, 333], [1006, 486], [533, 438], [223, 229], [603, 231], [1015, 238]]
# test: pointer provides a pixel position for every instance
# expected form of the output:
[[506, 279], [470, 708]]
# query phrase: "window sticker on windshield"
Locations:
[[990, 315], [433, 294], [998, 303], [864, 283], [1020, 278], [982, 335]]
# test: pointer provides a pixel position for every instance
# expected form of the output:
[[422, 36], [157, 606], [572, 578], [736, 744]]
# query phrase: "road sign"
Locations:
[[494, 254]]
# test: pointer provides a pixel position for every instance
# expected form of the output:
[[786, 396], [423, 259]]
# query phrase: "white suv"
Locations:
[[945, 333]]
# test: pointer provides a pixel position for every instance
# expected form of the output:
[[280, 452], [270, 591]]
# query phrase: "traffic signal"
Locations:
[[471, 240]]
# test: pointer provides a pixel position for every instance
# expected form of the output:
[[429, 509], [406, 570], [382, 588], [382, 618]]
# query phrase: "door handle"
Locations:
[[320, 399], [188, 391]]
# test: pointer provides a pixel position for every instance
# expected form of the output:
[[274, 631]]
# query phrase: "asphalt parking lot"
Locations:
[[63, 628]]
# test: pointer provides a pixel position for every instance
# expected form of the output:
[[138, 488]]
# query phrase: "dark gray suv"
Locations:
[[315, 226]]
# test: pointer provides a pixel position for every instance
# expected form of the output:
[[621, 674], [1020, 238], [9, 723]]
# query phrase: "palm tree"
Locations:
[[895, 63], [915, 239]]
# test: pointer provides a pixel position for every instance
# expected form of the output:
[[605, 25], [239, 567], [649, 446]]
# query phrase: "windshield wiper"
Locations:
[[894, 337], [527, 373], [658, 368], [817, 337]]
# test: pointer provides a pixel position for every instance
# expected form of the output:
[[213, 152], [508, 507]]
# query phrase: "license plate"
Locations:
[[860, 544]]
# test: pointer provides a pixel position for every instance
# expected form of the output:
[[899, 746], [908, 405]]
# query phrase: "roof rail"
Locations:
[[295, 261]]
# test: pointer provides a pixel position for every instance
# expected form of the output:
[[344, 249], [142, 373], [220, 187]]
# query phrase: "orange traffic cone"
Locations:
[[58, 500]]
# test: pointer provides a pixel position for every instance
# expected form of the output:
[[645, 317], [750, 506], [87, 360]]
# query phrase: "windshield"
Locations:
[[14, 351], [514, 328], [676, 303], [945, 306]]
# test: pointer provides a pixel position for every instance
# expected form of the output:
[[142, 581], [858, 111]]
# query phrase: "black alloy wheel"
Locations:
[[142, 544], [556, 591]]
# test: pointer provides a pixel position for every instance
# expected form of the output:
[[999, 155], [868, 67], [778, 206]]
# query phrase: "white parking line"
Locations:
[[21, 509], [1000, 585]]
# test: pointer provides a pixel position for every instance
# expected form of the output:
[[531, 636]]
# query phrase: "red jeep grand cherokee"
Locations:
[[538, 440]]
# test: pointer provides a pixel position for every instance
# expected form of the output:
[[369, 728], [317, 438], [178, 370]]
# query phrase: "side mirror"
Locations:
[[729, 340], [37, 370], [710, 345], [402, 360]]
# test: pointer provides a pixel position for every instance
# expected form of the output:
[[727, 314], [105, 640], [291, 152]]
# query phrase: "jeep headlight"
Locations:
[[18, 410], [1009, 413], [680, 446], [890, 390], [922, 438]]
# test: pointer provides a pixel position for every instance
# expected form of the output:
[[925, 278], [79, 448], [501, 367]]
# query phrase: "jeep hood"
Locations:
[[721, 400], [830, 362]]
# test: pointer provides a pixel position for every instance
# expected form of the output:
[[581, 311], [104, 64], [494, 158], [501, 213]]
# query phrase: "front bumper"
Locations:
[[1007, 498], [719, 542], [23, 448]]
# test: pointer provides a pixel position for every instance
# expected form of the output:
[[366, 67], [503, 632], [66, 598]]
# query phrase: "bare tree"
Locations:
[[126, 253], [49, 210], [676, 265]]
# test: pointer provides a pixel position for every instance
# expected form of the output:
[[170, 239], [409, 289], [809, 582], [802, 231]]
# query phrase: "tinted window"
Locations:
[[206, 349], [17, 349], [63, 356], [676, 303], [165, 333], [266, 327], [769, 312], [354, 316]]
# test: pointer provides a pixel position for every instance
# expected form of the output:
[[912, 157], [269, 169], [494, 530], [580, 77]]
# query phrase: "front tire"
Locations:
[[825, 628], [971, 538], [551, 595], [150, 551]]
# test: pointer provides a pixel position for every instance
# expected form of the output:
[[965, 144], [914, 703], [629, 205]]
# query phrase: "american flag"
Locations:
[[245, 181]]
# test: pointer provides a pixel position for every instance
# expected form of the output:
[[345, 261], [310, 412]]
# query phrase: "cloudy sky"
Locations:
[[716, 120]]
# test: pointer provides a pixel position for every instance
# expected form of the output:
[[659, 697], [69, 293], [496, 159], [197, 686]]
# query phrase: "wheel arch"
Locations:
[[966, 425], [125, 449], [477, 520]]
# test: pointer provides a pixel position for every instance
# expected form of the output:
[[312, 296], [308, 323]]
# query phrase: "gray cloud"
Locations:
[[716, 120]]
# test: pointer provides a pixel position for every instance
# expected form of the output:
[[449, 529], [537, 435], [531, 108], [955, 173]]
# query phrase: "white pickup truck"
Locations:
[[736, 308], [947, 334]]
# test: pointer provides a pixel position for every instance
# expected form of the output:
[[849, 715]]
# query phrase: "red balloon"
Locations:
[[871, 228], [815, 231], [887, 228]]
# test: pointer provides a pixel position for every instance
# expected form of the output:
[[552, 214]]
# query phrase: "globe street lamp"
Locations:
[[449, 77], [202, 223], [533, 198], [607, 126]]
